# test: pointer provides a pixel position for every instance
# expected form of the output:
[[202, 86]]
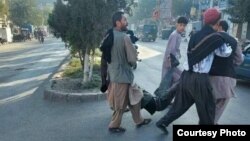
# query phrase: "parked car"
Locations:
[[166, 32], [148, 32], [243, 71], [246, 44], [22, 35]]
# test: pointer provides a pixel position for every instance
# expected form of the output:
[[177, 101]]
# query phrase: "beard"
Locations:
[[124, 28]]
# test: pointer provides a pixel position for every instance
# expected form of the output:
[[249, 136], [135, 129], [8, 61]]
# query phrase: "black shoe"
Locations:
[[126, 110], [145, 122], [162, 127], [117, 130]]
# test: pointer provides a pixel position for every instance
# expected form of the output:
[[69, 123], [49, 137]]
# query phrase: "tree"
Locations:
[[36, 18], [59, 19], [143, 10], [240, 13], [82, 24], [181, 7], [45, 11], [4, 8], [25, 11]]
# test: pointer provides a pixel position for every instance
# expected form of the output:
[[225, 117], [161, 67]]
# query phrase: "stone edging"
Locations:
[[54, 95]]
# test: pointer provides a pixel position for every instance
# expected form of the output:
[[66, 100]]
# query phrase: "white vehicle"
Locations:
[[5, 34]]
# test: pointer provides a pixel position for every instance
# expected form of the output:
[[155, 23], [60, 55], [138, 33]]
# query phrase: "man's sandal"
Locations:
[[117, 130], [126, 110], [162, 127], [145, 122]]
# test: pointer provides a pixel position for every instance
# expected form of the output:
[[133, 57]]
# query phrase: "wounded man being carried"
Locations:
[[163, 95]]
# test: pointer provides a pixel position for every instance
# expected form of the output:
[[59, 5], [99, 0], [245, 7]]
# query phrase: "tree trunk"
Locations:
[[86, 67], [81, 58], [92, 62], [239, 30]]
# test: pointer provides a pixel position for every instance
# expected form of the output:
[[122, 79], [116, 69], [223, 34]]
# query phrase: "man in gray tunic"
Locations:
[[173, 47], [123, 57]]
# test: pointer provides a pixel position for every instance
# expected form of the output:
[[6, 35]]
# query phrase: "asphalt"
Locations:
[[31, 118]]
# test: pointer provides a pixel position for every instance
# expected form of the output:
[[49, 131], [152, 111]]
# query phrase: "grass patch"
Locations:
[[74, 71]]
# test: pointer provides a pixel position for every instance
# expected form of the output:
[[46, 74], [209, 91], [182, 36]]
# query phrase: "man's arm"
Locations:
[[130, 51], [238, 56], [172, 46], [191, 44]]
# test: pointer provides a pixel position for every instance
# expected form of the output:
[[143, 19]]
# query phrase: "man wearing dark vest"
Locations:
[[222, 73], [194, 85]]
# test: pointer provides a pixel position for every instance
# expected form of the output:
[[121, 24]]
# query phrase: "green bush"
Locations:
[[94, 83]]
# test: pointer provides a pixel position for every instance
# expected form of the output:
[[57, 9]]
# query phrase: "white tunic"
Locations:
[[205, 65]]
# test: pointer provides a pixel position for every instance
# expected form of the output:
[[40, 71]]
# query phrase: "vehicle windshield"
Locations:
[[149, 28]]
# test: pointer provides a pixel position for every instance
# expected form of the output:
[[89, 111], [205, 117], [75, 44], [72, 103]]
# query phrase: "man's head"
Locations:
[[120, 21], [223, 26], [181, 24], [212, 17]]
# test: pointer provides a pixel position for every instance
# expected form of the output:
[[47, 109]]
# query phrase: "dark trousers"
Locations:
[[192, 88], [104, 75], [163, 102]]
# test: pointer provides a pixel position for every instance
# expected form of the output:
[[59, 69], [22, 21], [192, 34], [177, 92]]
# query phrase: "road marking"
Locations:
[[20, 46], [18, 97], [146, 52], [40, 77], [55, 53]]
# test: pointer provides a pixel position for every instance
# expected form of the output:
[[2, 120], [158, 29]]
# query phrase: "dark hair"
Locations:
[[117, 17], [182, 20], [224, 25]]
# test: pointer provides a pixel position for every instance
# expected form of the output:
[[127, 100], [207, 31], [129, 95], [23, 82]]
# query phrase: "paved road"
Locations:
[[25, 66], [33, 119]]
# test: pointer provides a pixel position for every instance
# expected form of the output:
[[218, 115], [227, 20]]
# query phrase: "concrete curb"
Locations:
[[54, 95]]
